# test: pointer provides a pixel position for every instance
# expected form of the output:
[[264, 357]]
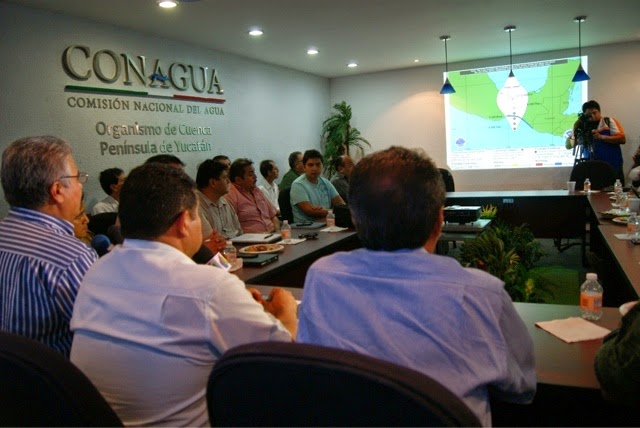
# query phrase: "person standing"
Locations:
[[607, 138], [41, 261], [396, 300]]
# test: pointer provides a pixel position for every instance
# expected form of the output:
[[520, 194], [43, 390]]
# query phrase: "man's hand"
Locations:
[[282, 305], [215, 242]]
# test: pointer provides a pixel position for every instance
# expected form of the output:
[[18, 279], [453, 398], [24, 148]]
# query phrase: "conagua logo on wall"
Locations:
[[108, 67]]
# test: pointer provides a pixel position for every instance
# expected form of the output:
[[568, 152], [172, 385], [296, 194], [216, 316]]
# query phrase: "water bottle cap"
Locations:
[[592, 276], [285, 221], [229, 243]]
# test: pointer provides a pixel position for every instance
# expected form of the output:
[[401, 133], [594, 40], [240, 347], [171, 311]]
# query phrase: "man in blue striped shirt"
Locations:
[[41, 261]]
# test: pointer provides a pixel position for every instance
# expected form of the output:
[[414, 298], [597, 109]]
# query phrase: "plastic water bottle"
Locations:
[[229, 253], [285, 230], [633, 226], [617, 187], [587, 185], [591, 298], [331, 219]]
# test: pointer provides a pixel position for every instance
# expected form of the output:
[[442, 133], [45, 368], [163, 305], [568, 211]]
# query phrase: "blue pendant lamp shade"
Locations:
[[447, 88], [580, 75]]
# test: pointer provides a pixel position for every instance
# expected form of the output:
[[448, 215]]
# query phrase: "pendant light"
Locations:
[[446, 88], [510, 29], [580, 75]]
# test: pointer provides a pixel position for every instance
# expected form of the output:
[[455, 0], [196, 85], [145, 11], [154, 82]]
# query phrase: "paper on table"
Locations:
[[573, 329], [333, 229], [624, 236], [291, 241]]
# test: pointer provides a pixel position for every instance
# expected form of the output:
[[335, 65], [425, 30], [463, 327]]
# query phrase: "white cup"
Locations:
[[571, 186], [634, 204]]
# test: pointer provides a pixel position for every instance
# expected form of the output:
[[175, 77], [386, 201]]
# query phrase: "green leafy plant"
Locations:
[[509, 253], [489, 212], [339, 136]]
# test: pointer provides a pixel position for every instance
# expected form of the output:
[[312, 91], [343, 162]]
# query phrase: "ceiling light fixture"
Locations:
[[580, 75], [167, 4], [256, 32], [510, 29], [447, 88], [352, 64], [313, 51]]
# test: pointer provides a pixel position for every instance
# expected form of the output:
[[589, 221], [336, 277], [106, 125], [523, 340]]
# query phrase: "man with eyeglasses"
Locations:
[[41, 261]]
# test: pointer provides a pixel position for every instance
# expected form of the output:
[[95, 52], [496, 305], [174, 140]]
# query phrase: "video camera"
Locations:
[[583, 135]]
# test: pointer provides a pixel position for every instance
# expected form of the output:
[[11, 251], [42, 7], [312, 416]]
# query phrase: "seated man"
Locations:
[[255, 212], [149, 323], [340, 180], [41, 261], [296, 168], [111, 181], [269, 172], [311, 194], [396, 300], [215, 211]]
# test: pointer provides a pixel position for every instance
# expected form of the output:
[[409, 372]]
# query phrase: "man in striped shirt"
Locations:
[[41, 261]]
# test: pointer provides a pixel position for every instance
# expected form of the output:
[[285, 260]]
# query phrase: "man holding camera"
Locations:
[[607, 135]]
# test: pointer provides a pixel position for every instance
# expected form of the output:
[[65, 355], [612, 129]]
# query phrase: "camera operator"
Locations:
[[607, 137]]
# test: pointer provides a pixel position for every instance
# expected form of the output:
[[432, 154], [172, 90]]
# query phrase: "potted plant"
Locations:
[[339, 136]]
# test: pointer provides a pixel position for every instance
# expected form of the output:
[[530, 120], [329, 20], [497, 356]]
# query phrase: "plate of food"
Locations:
[[262, 249], [615, 213], [620, 220]]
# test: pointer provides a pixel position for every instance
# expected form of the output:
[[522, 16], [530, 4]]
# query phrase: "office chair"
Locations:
[[292, 384], [284, 200], [447, 177], [600, 173], [40, 387]]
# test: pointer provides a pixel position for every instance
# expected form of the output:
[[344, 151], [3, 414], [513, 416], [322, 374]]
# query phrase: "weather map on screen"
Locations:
[[496, 121]]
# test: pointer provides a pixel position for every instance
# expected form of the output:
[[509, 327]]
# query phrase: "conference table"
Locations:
[[294, 260]]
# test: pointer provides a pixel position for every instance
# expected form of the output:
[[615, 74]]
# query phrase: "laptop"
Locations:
[[256, 238]]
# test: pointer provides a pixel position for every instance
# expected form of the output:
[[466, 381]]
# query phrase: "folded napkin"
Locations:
[[333, 229], [624, 236], [292, 241], [573, 329]]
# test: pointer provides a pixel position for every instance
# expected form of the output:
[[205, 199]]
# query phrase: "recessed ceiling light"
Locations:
[[416, 60], [313, 51], [352, 64], [256, 32], [167, 4]]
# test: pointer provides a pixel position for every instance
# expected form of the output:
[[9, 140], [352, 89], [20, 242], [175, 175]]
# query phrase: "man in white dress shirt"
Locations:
[[111, 181], [149, 323], [270, 172]]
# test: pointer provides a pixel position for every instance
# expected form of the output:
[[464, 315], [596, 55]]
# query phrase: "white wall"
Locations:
[[404, 108], [269, 112]]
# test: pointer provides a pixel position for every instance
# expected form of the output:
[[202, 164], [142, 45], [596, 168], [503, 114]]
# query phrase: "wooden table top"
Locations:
[[626, 255]]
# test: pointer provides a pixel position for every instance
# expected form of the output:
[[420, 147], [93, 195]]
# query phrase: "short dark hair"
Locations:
[[30, 166], [207, 170], [590, 104], [219, 158], [395, 196], [311, 154], [237, 168], [109, 177], [152, 197], [338, 162], [293, 158], [165, 159], [266, 166]]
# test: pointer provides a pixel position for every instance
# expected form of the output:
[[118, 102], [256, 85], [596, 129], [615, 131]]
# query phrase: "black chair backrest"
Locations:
[[292, 384], [600, 173], [449, 184], [40, 387], [100, 223], [284, 200]]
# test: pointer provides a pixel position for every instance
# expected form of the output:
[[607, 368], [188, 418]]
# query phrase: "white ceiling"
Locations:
[[378, 34]]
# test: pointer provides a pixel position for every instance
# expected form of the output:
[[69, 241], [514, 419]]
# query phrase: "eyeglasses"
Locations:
[[82, 177]]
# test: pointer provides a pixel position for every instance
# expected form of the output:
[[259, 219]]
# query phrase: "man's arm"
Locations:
[[282, 305], [337, 200], [617, 133], [276, 223], [313, 210]]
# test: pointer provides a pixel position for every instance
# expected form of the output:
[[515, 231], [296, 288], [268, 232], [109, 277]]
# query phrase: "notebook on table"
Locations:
[[256, 238]]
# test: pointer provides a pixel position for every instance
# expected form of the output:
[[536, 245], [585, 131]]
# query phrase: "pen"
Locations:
[[268, 236]]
